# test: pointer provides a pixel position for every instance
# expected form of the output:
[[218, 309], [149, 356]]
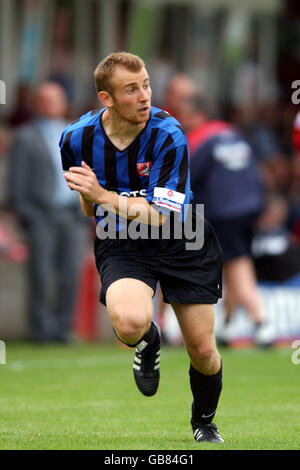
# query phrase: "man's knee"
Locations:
[[202, 351], [130, 326], [129, 304]]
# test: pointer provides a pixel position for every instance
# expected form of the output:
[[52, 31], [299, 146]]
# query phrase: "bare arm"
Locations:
[[133, 207], [84, 180], [87, 207]]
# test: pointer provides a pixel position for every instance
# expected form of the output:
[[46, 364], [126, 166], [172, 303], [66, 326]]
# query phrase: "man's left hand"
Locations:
[[84, 180]]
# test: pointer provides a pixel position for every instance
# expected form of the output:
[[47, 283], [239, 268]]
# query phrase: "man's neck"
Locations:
[[120, 131]]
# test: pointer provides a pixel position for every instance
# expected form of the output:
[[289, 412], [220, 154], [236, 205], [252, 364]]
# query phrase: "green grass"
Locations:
[[84, 397]]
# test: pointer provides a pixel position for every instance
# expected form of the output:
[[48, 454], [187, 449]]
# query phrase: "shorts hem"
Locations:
[[203, 300], [102, 297]]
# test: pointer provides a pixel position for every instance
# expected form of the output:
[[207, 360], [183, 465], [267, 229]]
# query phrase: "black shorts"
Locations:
[[235, 236], [185, 276]]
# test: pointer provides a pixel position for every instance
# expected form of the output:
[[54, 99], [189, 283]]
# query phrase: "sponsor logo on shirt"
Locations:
[[169, 194], [137, 193], [144, 168]]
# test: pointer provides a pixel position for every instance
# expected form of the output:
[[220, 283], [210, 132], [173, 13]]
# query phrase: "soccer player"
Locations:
[[129, 161]]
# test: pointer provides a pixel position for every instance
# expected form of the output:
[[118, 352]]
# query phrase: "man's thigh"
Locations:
[[130, 300], [197, 323], [113, 267]]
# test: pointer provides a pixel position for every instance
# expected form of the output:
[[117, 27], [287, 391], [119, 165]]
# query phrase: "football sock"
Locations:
[[151, 337], [206, 390]]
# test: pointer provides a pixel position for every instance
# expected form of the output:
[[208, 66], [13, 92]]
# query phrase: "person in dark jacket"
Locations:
[[50, 216], [225, 178]]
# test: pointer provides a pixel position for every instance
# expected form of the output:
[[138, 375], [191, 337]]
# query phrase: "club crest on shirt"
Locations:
[[144, 168]]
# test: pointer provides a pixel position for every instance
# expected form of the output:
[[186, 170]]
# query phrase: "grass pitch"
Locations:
[[84, 397]]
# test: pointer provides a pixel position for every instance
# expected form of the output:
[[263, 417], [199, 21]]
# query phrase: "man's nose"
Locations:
[[144, 95]]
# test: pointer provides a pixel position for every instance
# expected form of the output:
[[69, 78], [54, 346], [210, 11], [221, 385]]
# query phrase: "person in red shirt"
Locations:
[[296, 133], [225, 178]]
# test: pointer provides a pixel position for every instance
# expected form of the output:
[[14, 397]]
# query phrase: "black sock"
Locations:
[[206, 390], [151, 337]]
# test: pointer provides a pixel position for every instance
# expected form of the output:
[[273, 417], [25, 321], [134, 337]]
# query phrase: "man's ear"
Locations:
[[106, 98]]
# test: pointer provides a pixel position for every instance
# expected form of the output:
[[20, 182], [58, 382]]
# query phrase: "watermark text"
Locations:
[[296, 354], [2, 352], [2, 92], [141, 224]]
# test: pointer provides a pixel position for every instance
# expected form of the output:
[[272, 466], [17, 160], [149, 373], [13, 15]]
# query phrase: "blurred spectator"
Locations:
[[21, 112], [294, 189], [260, 127], [50, 216], [225, 178], [11, 248], [5, 137], [296, 133], [180, 90], [161, 71], [276, 253]]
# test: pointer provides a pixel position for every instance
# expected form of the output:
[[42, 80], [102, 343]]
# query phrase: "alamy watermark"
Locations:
[[2, 92], [191, 229], [2, 352], [296, 354]]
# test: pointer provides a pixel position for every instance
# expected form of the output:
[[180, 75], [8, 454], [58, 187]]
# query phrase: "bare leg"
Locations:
[[197, 325], [241, 286], [197, 322], [129, 305]]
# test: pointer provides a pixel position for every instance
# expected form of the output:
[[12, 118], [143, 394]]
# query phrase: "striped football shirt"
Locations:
[[155, 165]]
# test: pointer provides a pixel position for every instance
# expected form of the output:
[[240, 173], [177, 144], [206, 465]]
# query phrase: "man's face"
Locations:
[[131, 94], [50, 101], [181, 89]]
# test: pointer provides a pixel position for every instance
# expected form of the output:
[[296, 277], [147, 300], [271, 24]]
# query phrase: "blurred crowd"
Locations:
[[271, 129], [29, 173], [245, 170]]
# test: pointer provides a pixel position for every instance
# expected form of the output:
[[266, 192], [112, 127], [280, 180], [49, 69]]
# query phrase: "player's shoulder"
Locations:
[[88, 119], [167, 125]]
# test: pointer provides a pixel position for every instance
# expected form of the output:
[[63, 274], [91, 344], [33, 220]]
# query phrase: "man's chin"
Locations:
[[144, 118], [139, 119]]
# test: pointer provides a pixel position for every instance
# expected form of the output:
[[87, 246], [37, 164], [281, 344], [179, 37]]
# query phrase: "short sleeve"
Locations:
[[168, 186], [67, 156]]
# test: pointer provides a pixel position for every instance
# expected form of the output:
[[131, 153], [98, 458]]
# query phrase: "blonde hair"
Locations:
[[107, 66]]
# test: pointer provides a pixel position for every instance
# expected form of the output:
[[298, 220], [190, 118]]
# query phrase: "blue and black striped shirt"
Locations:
[[155, 165]]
